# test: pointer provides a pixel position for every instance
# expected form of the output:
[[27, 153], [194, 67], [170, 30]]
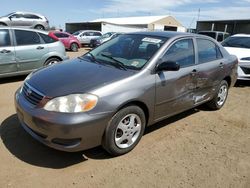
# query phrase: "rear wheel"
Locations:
[[74, 47], [220, 98], [124, 130], [40, 27], [51, 61]]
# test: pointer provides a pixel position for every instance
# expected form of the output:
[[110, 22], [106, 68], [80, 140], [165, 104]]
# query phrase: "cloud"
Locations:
[[218, 13], [156, 6]]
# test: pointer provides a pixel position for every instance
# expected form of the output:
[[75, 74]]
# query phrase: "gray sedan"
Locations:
[[108, 96]]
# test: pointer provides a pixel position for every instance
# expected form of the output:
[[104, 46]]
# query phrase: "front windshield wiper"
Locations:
[[118, 63], [93, 59]]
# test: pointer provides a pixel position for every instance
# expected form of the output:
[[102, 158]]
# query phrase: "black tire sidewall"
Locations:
[[109, 137], [49, 60]]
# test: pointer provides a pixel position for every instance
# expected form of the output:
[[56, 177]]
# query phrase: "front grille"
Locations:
[[31, 94]]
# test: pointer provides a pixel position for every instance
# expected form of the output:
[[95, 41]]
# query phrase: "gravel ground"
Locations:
[[197, 148]]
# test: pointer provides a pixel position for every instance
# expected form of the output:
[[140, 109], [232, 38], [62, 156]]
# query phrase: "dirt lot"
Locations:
[[197, 148]]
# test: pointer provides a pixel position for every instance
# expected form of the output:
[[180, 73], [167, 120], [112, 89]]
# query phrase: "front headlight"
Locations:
[[73, 103]]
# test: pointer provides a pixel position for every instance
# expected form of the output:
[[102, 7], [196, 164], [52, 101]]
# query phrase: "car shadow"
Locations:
[[27, 149], [242, 83], [12, 79], [24, 147]]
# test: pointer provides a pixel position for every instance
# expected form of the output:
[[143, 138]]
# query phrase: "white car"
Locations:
[[85, 36], [239, 45]]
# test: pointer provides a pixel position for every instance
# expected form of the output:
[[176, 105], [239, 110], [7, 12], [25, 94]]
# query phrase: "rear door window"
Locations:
[[207, 51], [4, 38], [26, 37]]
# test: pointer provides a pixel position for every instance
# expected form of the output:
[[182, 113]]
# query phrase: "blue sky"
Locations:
[[186, 11]]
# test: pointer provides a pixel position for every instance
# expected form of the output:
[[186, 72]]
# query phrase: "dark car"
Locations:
[[104, 38], [217, 35], [108, 96]]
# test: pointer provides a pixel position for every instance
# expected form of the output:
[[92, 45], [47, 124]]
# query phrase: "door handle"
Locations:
[[40, 47], [194, 72], [5, 51], [221, 65]]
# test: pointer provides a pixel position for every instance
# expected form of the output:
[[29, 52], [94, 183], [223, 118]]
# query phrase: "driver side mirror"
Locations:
[[168, 66]]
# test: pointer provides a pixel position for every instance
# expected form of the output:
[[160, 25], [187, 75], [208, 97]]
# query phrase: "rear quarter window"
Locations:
[[46, 38]]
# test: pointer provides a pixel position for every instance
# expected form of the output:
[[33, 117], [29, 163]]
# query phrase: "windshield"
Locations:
[[106, 35], [9, 14], [76, 33], [237, 42], [131, 50]]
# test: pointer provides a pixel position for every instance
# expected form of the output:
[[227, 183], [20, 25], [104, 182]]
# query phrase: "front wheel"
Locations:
[[220, 97], [124, 131], [39, 27]]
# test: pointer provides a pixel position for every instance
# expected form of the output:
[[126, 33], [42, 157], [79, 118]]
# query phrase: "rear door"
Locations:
[[64, 38], [175, 89], [210, 69], [7, 53], [30, 50]]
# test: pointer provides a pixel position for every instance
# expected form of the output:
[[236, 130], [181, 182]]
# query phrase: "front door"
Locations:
[[30, 50], [175, 89], [7, 53]]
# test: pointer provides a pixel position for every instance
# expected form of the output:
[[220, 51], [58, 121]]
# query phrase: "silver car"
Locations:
[[25, 19], [85, 36], [24, 50]]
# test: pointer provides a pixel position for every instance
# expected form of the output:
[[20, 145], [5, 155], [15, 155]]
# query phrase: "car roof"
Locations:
[[241, 35], [21, 12], [89, 31], [212, 32], [25, 29]]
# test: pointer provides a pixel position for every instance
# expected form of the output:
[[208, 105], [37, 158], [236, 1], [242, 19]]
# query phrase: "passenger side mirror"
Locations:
[[168, 66]]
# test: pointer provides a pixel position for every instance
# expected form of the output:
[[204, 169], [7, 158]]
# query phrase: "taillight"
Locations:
[[47, 20]]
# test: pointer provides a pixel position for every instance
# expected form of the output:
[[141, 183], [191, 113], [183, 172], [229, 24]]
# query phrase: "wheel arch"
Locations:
[[228, 80], [57, 57], [138, 103]]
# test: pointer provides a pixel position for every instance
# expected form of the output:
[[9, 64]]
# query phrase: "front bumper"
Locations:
[[62, 131], [244, 71]]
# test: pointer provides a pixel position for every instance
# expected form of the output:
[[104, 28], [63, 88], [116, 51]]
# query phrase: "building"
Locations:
[[229, 26], [129, 24]]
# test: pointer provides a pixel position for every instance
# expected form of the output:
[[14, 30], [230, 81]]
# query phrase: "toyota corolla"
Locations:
[[111, 94]]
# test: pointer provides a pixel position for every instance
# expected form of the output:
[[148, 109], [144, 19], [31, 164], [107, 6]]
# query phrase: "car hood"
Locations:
[[239, 52], [75, 76]]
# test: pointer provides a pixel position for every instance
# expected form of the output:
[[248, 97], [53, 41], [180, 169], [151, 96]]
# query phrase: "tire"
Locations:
[[74, 47], [220, 97], [124, 131], [51, 61], [39, 27]]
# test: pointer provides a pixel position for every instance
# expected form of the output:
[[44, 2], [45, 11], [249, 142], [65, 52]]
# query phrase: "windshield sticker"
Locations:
[[151, 40], [135, 63]]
